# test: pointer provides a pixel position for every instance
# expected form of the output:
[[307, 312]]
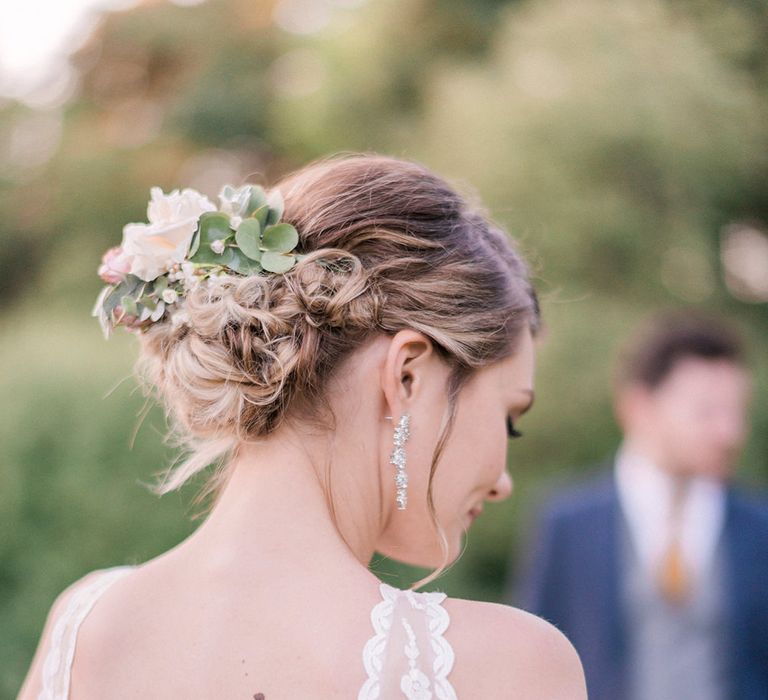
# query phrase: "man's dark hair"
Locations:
[[670, 336]]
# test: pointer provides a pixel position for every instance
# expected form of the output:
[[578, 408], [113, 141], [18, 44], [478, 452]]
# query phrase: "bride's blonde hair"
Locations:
[[400, 248]]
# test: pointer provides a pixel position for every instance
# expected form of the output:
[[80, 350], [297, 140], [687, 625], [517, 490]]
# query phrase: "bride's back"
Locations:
[[161, 631]]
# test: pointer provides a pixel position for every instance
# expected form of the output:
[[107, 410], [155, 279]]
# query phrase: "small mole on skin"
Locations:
[[259, 696]]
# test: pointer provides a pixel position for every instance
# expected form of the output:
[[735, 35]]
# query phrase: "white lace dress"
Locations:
[[406, 658]]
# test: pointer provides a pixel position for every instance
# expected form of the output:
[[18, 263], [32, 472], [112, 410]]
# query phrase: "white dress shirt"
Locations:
[[645, 491]]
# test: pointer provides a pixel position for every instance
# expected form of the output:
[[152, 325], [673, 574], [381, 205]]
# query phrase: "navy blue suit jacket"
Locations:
[[573, 580]]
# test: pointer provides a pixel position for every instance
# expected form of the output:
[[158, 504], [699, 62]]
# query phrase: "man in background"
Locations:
[[657, 570]]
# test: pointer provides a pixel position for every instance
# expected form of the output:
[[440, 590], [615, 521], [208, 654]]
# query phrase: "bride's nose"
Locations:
[[502, 488]]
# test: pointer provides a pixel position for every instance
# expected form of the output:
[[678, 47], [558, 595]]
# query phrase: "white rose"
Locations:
[[154, 247]]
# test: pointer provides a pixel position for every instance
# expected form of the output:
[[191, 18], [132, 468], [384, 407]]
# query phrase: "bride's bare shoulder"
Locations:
[[500, 646], [33, 681]]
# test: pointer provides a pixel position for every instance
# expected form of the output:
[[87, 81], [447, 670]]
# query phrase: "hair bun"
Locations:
[[386, 245], [328, 287]]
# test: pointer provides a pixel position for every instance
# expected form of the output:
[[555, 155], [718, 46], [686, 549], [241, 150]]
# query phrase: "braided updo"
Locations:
[[389, 246]]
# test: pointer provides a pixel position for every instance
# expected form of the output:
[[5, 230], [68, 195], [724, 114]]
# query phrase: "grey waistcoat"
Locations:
[[674, 653]]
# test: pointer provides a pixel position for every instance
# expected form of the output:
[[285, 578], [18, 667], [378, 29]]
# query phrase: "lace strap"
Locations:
[[408, 656], [61, 651]]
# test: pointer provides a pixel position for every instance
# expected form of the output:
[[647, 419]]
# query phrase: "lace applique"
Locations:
[[415, 681], [57, 666]]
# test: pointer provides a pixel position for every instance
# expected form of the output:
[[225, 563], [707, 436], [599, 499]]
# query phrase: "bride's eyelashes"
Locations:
[[512, 432]]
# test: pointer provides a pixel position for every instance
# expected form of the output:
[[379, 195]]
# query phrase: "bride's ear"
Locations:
[[409, 361]]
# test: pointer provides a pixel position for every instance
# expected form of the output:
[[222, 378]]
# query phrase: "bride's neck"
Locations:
[[272, 515]]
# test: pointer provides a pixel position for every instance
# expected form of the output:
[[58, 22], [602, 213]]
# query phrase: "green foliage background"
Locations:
[[614, 138]]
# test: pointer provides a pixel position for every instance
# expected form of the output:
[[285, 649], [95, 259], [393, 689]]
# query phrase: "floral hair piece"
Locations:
[[186, 241]]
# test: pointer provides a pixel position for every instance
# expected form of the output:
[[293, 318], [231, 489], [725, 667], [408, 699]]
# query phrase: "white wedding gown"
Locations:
[[406, 658]]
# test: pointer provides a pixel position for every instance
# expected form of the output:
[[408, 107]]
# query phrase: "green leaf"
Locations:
[[148, 301], [280, 238], [214, 226], [243, 265], [129, 305], [160, 284], [195, 244], [261, 215], [277, 262], [128, 287], [258, 199], [111, 300], [130, 284], [247, 238], [207, 257]]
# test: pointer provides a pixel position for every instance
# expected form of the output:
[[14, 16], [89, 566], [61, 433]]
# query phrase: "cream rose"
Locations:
[[153, 248]]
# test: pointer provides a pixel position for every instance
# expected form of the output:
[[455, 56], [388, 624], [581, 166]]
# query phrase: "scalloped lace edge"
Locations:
[[381, 619]]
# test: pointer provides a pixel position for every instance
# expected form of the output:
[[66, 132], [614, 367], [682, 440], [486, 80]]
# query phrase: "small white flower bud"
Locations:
[[169, 296], [179, 317], [218, 246]]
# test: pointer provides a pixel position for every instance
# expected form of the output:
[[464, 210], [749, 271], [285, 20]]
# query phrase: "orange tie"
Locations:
[[674, 578]]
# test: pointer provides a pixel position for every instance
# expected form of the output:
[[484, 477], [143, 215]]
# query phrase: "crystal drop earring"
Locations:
[[401, 435]]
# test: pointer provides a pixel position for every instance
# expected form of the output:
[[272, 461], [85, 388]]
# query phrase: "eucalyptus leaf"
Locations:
[[214, 226], [129, 305], [129, 285], [208, 257], [195, 244], [133, 283], [243, 265], [261, 215], [277, 262], [280, 238], [161, 284], [258, 199], [158, 312], [247, 238], [112, 300]]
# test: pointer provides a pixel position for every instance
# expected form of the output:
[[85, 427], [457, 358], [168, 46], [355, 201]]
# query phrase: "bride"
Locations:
[[351, 351]]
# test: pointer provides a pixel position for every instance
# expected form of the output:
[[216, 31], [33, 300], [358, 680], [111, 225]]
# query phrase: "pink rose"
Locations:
[[115, 264]]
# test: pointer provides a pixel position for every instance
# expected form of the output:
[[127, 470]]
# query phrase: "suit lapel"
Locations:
[[602, 579], [609, 574]]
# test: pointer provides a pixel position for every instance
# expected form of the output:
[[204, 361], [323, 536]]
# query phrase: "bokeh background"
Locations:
[[623, 142]]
